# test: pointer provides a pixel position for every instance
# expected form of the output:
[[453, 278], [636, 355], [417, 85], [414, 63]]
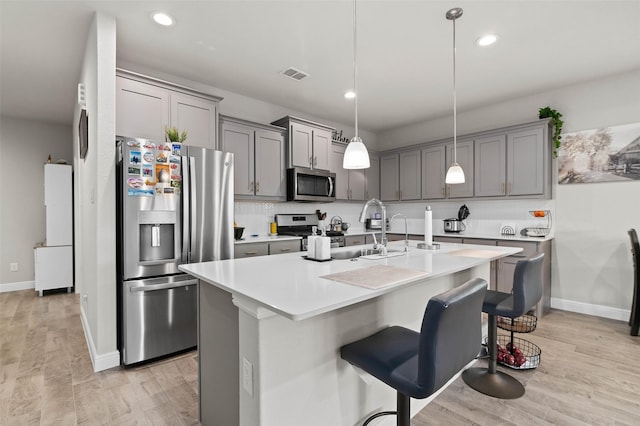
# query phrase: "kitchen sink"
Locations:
[[365, 253]]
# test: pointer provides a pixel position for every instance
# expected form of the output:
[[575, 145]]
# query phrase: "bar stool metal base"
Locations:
[[498, 384]]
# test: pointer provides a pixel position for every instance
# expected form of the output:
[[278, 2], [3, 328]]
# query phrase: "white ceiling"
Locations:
[[404, 51]]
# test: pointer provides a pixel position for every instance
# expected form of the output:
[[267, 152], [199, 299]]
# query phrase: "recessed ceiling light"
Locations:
[[350, 94], [162, 19], [487, 40]]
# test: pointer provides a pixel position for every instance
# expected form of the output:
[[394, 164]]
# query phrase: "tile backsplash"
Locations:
[[485, 216]]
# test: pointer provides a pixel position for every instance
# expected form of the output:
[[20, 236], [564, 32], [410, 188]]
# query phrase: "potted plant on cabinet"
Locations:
[[173, 135], [556, 120]]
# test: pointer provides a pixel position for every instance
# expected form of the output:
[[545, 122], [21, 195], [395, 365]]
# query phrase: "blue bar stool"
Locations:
[[527, 291], [418, 364]]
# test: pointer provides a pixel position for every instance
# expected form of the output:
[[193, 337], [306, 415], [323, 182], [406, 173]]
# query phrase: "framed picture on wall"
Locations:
[[609, 154], [83, 133]]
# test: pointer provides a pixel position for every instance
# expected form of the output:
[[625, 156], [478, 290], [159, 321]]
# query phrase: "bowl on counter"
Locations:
[[237, 232]]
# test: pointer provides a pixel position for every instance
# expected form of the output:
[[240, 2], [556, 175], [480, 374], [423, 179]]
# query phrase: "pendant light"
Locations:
[[356, 155], [455, 174]]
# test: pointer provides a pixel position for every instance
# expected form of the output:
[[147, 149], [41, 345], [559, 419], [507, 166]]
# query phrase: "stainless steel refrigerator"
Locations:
[[174, 205]]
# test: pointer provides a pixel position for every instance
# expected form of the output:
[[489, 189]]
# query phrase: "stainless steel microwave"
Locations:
[[310, 185]]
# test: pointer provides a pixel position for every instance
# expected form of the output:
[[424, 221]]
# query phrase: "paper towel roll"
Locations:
[[428, 226], [311, 246], [323, 248]]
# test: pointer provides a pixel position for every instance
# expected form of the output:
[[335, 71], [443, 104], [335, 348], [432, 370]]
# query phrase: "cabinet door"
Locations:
[[389, 178], [269, 163], [53, 267], [372, 178], [197, 116], [321, 149], [142, 110], [410, 176], [342, 175], [507, 265], [525, 162], [357, 184], [433, 172], [300, 145], [465, 159], [490, 166], [239, 140]]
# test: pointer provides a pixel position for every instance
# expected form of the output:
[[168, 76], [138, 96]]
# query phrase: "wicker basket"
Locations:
[[523, 324], [530, 351]]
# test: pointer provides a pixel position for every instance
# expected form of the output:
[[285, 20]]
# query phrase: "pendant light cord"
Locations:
[[455, 124], [355, 66]]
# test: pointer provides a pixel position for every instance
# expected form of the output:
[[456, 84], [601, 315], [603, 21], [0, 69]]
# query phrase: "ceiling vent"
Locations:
[[294, 73]]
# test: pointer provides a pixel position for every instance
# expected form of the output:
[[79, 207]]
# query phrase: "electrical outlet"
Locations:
[[13, 267], [247, 376]]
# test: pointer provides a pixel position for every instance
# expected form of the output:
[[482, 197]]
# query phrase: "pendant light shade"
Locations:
[[356, 155], [455, 174]]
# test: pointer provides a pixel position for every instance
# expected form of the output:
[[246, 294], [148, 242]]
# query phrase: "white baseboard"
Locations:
[[590, 309], [103, 361], [24, 285]]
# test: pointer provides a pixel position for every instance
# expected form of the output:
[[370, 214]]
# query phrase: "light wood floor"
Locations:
[[589, 374]]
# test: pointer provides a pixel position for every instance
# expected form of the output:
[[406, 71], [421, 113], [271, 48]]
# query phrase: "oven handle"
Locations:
[[330, 186], [154, 287]]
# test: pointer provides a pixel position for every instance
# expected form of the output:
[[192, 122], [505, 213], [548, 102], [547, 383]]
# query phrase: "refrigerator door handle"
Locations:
[[166, 286], [185, 212], [193, 205]]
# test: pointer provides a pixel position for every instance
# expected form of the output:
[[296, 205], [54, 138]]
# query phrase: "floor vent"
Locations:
[[294, 73]]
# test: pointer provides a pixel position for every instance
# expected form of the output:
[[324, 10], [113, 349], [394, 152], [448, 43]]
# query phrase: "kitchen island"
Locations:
[[269, 330]]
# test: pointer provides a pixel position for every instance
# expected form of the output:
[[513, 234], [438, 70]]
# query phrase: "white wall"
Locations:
[[95, 197], [25, 146], [592, 269]]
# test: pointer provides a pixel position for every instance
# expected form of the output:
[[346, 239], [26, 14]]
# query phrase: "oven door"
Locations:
[[159, 317]]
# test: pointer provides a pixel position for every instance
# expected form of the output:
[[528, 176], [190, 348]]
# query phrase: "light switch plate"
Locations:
[[247, 376]]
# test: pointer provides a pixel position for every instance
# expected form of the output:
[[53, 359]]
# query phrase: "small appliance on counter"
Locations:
[[456, 224]]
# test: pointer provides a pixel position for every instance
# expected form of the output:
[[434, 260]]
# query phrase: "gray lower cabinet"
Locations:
[[259, 157], [266, 248], [145, 106]]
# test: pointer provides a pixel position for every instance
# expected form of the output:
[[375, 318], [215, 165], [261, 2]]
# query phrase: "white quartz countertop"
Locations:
[[292, 286], [266, 239]]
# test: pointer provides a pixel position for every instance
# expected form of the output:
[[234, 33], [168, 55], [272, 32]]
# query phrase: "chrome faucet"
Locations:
[[363, 215], [406, 233]]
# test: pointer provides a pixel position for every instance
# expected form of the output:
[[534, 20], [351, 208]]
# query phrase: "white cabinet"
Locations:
[[54, 259], [144, 107], [465, 160], [308, 144], [350, 184], [259, 155], [434, 170], [512, 163], [53, 267]]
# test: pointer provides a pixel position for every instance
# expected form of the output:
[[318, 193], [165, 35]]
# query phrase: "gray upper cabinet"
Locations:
[[308, 144], [350, 184], [525, 162], [513, 163], [144, 107], [259, 153], [433, 172], [372, 177], [490, 160], [465, 160], [410, 185], [390, 178]]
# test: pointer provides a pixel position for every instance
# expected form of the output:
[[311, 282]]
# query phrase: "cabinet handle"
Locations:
[[315, 160], [442, 191], [249, 253], [400, 195], [251, 186], [502, 188], [285, 249], [509, 188], [257, 186], [311, 161]]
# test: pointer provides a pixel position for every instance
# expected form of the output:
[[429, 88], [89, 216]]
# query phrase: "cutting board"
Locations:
[[378, 276]]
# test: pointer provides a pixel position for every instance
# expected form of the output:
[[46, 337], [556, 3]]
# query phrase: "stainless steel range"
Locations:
[[302, 225]]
